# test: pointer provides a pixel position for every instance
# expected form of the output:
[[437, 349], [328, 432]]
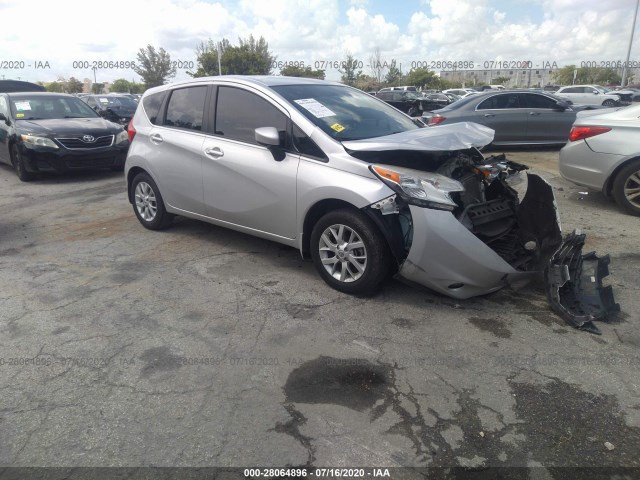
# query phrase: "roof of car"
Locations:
[[261, 80], [39, 94]]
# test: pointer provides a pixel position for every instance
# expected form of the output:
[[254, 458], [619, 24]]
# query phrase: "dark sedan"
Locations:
[[116, 108], [52, 132], [518, 117], [412, 103]]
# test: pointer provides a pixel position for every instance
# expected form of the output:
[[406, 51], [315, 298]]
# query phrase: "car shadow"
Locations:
[[53, 178]]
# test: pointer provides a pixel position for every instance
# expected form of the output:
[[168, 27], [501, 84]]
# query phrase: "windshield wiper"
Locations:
[[32, 118]]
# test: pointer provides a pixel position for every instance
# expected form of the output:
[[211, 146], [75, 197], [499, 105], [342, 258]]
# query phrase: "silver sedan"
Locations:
[[603, 153]]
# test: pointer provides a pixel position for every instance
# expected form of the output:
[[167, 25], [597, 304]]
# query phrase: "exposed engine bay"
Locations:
[[525, 233]]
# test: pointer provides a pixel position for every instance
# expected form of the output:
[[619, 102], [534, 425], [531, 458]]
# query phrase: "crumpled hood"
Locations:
[[457, 136]]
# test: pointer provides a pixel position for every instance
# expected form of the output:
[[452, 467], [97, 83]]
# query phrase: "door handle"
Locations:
[[489, 115], [156, 138], [214, 152], [534, 113]]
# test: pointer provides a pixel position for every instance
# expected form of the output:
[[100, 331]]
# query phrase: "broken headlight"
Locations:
[[423, 189]]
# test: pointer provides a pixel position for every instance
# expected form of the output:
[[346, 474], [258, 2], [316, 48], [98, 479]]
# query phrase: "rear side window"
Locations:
[[539, 101], [152, 104], [508, 100], [186, 108], [239, 113]]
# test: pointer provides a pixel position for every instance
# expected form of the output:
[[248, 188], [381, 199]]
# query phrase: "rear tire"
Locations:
[[349, 252], [148, 204], [18, 164], [626, 187]]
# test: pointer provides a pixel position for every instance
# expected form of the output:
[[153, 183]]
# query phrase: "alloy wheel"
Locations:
[[342, 253], [632, 189], [146, 203]]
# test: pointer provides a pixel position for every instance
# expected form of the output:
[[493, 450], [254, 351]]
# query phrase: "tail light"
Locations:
[[580, 133], [436, 120], [131, 131]]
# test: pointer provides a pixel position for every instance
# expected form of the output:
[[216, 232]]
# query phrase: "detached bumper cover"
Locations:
[[574, 285]]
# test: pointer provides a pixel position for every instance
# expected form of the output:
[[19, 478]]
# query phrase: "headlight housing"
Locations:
[[38, 141], [122, 137], [423, 189]]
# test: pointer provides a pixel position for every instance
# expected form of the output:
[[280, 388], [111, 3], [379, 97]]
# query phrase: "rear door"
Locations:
[[175, 146], [506, 115], [245, 183]]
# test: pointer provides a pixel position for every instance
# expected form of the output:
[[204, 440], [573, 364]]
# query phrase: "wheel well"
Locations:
[[130, 176], [608, 186], [314, 214]]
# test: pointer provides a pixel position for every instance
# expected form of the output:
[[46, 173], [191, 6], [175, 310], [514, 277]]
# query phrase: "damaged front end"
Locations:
[[456, 225]]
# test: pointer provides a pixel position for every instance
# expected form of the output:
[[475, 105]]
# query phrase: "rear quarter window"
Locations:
[[152, 104]]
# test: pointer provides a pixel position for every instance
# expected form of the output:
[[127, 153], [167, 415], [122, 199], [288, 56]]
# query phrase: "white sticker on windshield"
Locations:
[[315, 107], [22, 106], [104, 100]]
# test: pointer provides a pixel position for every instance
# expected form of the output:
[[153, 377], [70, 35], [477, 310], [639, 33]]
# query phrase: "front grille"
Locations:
[[80, 144]]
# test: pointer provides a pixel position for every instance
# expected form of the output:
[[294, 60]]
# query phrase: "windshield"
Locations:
[[117, 102], [344, 113], [25, 107]]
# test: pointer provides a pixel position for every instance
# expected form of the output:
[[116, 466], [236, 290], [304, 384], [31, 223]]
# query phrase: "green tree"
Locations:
[[394, 75], [74, 85], [586, 75], [154, 66], [501, 80], [348, 72], [306, 72], [366, 83], [57, 87], [136, 87], [422, 78], [249, 57], [97, 88], [120, 85]]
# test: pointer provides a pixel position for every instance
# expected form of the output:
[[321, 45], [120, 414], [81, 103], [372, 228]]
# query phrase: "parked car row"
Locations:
[[118, 108]]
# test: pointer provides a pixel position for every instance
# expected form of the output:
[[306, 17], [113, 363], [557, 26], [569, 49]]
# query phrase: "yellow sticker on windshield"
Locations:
[[19, 115], [337, 127]]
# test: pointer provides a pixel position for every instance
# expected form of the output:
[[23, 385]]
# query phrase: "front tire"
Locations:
[[349, 252], [148, 204], [18, 164], [626, 188], [609, 103]]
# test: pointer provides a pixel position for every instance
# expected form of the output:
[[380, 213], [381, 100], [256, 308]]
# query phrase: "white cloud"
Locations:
[[65, 31]]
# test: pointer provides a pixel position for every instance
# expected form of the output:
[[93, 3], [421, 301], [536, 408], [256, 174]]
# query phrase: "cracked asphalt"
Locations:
[[200, 346]]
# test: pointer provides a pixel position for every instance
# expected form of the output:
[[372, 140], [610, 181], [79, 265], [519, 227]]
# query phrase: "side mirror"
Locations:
[[2, 117], [596, 93], [270, 138], [562, 106]]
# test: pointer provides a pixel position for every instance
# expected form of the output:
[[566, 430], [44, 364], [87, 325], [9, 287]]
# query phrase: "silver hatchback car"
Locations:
[[350, 181]]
